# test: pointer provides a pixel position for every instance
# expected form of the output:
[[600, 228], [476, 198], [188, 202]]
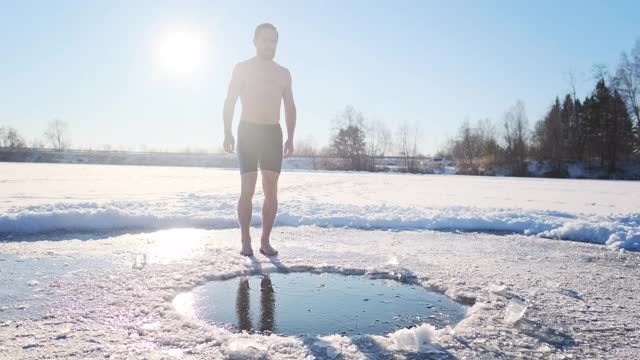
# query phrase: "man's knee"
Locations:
[[270, 196], [247, 194], [248, 186], [270, 187], [270, 191]]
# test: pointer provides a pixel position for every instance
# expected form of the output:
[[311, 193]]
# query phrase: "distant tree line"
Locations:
[[603, 128], [56, 136], [358, 143], [481, 149], [600, 128], [10, 138]]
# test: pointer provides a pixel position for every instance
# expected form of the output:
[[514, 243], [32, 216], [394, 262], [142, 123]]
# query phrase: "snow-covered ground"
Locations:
[[39, 198], [86, 272], [580, 299]]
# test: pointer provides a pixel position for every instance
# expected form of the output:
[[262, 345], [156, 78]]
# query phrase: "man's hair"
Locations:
[[262, 27]]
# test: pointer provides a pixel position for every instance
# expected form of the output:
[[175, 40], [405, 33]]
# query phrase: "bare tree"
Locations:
[[57, 135], [378, 139], [572, 82], [384, 139], [372, 140], [599, 72], [407, 144], [37, 143], [489, 148], [464, 148], [308, 148], [516, 138], [475, 148], [348, 117], [627, 82], [415, 138], [10, 138]]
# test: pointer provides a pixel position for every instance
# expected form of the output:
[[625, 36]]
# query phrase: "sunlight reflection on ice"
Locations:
[[176, 244], [183, 303]]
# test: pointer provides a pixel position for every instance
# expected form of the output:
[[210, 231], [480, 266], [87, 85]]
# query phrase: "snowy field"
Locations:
[[91, 257], [38, 198]]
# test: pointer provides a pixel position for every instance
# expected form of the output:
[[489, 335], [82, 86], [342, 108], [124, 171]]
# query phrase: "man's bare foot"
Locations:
[[246, 248], [267, 250]]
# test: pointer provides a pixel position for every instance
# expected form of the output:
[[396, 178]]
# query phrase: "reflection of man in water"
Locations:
[[262, 85], [267, 305], [243, 305]]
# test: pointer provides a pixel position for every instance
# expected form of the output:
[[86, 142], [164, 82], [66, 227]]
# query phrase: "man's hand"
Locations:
[[229, 143], [288, 148]]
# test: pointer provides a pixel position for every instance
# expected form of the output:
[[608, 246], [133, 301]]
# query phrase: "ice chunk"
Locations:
[[495, 288], [515, 310], [412, 339], [243, 348], [393, 261], [614, 242], [33, 283], [140, 262], [550, 283]]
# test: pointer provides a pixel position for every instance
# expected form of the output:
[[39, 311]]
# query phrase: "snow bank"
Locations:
[[41, 198], [617, 231]]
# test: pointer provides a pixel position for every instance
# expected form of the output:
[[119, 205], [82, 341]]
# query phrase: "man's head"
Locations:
[[265, 40]]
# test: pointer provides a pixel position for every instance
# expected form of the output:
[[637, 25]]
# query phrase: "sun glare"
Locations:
[[183, 303], [175, 244], [180, 52]]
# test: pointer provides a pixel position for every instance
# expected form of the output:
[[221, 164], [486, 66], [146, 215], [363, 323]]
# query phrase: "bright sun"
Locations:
[[180, 52]]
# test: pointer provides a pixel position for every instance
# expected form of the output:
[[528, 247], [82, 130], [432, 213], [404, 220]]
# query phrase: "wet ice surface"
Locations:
[[317, 304], [580, 299], [24, 282]]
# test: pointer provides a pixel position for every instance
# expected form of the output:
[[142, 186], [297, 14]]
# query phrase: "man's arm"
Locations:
[[289, 116], [229, 106]]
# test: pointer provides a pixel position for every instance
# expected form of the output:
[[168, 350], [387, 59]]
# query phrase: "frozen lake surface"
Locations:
[[92, 258]]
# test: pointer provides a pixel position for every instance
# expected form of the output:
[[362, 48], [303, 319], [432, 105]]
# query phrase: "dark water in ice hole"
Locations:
[[317, 304]]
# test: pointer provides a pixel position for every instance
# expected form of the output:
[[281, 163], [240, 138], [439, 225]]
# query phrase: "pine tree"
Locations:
[[609, 126], [598, 120], [578, 131], [349, 143], [551, 137], [555, 130], [568, 115]]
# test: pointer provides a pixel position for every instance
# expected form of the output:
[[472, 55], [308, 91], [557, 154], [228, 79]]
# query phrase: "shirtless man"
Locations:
[[262, 85]]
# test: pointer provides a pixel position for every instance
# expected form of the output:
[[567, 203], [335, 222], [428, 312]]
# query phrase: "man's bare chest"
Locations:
[[264, 81]]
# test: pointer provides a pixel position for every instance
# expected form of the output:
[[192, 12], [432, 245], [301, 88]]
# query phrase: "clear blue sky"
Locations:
[[94, 63]]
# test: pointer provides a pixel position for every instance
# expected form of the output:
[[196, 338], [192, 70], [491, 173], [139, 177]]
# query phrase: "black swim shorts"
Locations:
[[259, 144]]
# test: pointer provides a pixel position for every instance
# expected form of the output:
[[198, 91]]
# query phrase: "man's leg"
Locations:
[[269, 209], [245, 208]]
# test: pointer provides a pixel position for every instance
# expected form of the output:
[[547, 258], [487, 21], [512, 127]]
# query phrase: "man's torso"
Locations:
[[263, 83]]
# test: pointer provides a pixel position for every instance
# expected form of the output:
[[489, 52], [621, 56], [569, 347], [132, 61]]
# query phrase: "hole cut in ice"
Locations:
[[317, 304]]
